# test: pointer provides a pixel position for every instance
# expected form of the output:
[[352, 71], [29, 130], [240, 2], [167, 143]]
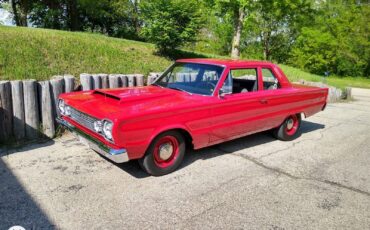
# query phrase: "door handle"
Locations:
[[264, 101]]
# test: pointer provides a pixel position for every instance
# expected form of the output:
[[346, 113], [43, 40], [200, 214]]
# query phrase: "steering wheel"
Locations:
[[206, 84]]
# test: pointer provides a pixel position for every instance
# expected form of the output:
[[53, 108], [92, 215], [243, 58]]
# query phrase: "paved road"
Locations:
[[319, 181]]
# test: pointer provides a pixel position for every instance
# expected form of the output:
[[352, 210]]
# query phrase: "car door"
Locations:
[[239, 112], [279, 99]]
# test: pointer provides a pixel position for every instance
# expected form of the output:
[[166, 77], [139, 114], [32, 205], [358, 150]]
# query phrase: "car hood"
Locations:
[[107, 103]]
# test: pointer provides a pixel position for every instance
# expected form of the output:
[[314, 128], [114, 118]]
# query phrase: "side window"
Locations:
[[241, 81], [270, 82]]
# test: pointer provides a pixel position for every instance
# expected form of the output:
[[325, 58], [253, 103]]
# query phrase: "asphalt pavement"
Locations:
[[319, 181]]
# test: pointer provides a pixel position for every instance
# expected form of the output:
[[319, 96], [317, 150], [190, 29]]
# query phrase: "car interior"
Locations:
[[244, 85], [246, 80], [241, 81]]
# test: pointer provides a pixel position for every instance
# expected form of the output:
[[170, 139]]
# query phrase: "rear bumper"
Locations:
[[115, 155]]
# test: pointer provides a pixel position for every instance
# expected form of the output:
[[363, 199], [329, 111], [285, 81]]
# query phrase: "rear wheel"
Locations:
[[164, 154], [289, 129]]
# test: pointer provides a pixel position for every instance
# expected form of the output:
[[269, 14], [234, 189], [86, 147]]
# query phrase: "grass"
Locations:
[[38, 54], [295, 74], [29, 53]]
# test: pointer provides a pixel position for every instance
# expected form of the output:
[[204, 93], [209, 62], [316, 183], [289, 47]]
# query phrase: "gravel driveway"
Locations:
[[319, 181]]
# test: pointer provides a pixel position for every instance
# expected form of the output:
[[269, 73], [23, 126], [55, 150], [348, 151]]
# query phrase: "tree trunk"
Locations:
[[266, 45], [235, 50], [23, 6], [135, 17], [73, 15], [15, 13]]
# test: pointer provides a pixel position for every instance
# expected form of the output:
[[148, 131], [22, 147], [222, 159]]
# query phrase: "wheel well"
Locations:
[[188, 138]]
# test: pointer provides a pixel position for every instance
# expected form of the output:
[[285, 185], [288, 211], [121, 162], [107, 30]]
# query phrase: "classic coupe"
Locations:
[[195, 103]]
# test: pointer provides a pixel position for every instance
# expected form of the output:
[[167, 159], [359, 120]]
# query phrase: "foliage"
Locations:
[[171, 23], [271, 27], [315, 35], [39, 53], [337, 41]]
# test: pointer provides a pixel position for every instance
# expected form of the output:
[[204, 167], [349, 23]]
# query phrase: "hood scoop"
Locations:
[[106, 94]]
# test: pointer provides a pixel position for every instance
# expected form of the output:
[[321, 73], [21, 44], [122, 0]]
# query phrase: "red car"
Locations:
[[195, 103]]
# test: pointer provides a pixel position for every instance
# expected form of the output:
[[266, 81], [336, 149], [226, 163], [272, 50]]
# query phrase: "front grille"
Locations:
[[83, 119]]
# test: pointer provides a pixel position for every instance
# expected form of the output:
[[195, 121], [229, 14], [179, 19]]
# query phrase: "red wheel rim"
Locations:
[[291, 125], [166, 150]]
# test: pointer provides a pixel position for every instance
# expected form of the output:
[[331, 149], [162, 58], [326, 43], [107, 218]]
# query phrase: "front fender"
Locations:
[[136, 137], [166, 128]]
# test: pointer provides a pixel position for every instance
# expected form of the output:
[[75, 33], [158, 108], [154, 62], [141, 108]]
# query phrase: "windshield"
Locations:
[[191, 78]]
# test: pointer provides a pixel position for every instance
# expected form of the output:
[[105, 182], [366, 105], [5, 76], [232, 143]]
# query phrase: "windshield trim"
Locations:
[[191, 93]]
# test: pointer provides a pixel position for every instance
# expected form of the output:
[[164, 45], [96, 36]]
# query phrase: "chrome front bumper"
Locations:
[[115, 155]]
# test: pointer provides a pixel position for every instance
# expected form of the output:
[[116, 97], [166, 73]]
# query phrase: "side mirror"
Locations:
[[222, 93]]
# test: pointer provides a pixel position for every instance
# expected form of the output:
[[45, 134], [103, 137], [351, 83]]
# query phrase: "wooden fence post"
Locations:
[[18, 110], [130, 80], [31, 109], [69, 83], [150, 80], [6, 113], [86, 81], [152, 77], [348, 93], [57, 88], [124, 80], [139, 80], [114, 81], [48, 126], [96, 81], [104, 81]]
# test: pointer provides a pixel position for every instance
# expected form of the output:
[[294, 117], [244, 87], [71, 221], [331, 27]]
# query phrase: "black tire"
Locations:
[[284, 133], [156, 166]]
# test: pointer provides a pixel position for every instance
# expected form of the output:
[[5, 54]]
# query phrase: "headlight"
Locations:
[[98, 126], [67, 110], [107, 129], [61, 106]]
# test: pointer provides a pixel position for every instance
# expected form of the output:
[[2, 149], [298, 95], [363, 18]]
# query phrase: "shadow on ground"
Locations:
[[133, 168], [26, 146], [16, 206]]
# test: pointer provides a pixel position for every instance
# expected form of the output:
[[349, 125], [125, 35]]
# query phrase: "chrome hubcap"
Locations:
[[289, 124], [165, 151]]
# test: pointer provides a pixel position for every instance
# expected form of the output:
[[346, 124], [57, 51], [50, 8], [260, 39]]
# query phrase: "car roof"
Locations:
[[227, 62]]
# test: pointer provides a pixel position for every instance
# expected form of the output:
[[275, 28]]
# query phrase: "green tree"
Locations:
[[272, 26], [170, 24], [234, 12], [49, 14], [20, 10], [314, 51], [336, 41], [264, 29], [117, 18]]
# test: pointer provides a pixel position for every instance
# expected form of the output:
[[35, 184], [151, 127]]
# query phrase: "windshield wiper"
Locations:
[[175, 88]]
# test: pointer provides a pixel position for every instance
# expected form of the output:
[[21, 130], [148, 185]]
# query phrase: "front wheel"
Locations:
[[164, 154], [289, 129]]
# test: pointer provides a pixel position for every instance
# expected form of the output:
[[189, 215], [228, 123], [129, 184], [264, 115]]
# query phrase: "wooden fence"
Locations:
[[28, 108]]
